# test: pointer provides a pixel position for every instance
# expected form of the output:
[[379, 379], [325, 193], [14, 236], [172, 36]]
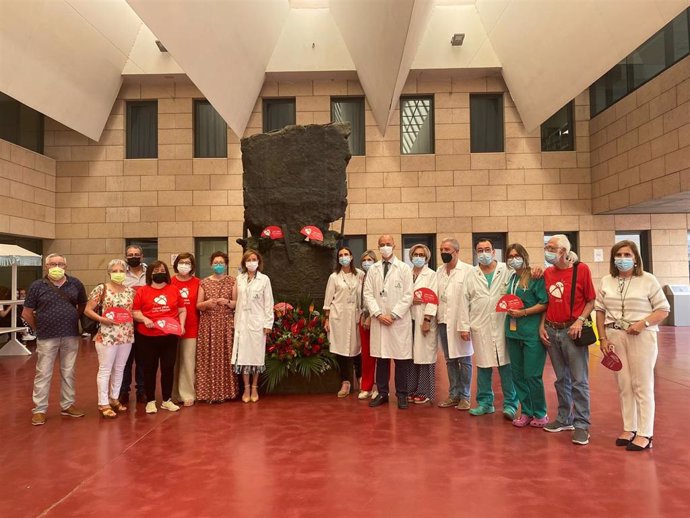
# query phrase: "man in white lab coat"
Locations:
[[388, 296], [484, 285]]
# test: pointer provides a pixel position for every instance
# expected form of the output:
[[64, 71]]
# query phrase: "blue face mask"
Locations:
[[345, 260], [485, 259], [218, 269], [516, 263], [624, 264], [550, 257], [418, 261], [367, 264]]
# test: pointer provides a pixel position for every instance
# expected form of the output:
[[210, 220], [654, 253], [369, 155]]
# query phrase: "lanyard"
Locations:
[[623, 291]]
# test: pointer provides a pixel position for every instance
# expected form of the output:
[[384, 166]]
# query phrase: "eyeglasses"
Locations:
[[185, 262], [56, 265]]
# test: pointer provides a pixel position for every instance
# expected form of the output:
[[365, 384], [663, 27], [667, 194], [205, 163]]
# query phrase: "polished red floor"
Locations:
[[304, 456]]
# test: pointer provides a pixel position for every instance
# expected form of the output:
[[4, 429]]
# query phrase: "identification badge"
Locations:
[[444, 298], [513, 324]]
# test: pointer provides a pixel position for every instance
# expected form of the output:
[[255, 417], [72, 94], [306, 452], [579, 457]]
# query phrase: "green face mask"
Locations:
[[56, 274], [117, 277]]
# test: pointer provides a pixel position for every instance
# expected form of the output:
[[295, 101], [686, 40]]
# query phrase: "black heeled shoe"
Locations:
[[634, 447], [625, 442]]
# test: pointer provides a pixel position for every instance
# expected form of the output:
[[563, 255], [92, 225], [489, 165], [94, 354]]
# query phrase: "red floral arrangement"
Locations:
[[297, 344]]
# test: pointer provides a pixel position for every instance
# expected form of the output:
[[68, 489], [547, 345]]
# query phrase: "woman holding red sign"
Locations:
[[527, 353], [421, 378], [114, 337], [630, 306], [160, 313]]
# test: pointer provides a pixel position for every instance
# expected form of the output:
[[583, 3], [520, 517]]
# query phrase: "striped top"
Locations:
[[641, 296]]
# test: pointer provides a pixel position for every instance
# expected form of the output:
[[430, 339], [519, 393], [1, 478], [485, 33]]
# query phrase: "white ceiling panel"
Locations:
[[223, 46], [63, 62]]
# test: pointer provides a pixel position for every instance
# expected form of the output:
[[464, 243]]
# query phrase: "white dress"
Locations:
[[341, 300]]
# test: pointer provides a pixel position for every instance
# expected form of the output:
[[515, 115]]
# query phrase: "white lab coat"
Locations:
[[424, 346], [450, 298], [253, 314], [392, 296], [342, 302], [478, 315]]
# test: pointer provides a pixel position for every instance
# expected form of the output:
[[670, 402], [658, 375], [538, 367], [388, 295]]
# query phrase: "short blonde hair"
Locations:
[[116, 262], [425, 249]]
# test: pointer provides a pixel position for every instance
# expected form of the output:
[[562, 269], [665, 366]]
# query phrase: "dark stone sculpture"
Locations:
[[295, 177]]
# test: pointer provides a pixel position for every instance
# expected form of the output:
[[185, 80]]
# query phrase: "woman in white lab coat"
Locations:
[[253, 321], [424, 352], [341, 309]]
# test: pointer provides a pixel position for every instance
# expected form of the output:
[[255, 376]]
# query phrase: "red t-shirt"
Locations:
[[189, 291], [558, 286], [156, 303]]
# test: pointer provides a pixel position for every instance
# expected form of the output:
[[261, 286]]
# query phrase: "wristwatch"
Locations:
[[582, 318], [646, 323]]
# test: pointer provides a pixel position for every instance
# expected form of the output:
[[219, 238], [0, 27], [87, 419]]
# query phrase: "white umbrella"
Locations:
[[14, 256]]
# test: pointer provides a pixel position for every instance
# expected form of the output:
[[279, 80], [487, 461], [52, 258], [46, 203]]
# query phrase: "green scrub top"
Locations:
[[489, 277], [527, 327]]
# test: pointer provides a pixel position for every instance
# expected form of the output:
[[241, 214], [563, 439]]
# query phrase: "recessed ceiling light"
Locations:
[[457, 39]]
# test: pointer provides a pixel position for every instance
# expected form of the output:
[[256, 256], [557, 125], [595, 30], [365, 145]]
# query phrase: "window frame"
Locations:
[[352, 99], [570, 110], [501, 97], [196, 137], [128, 128], [267, 101], [432, 127]]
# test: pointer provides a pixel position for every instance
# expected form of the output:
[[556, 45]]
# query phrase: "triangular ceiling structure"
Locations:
[[224, 47], [64, 58], [382, 38]]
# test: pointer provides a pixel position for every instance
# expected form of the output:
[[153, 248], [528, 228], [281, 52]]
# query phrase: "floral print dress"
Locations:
[[119, 333]]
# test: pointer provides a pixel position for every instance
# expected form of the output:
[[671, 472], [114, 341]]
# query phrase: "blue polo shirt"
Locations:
[[55, 316]]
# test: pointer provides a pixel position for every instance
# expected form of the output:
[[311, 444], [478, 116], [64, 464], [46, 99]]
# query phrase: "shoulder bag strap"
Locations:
[[572, 288], [61, 293]]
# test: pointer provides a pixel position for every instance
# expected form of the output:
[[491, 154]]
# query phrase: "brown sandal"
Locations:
[[107, 412], [117, 406]]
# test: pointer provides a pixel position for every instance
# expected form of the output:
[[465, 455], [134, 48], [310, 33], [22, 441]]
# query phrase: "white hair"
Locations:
[[453, 242], [116, 262], [51, 256], [562, 241]]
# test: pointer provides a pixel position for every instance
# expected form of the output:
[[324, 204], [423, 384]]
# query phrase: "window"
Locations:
[[416, 125], [350, 109], [142, 129], [661, 51], [25, 274], [499, 242], [20, 124], [410, 240], [210, 132], [572, 237], [203, 248], [486, 123], [278, 113], [558, 133], [641, 239], [358, 245], [149, 246]]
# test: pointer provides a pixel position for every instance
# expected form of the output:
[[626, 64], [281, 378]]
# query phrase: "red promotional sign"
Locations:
[[612, 361], [507, 302], [425, 296], [272, 232], [117, 315], [168, 325], [312, 233]]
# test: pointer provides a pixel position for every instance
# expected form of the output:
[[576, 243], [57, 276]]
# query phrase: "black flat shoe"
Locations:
[[634, 447], [378, 401], [625, 442], [402, 403]]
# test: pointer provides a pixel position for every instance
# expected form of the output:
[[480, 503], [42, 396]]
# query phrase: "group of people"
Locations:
[[379, 313], [201, 334]]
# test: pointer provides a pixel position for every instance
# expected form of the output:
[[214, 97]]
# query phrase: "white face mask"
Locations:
[[184, 269], [252, 265], [386, 251]]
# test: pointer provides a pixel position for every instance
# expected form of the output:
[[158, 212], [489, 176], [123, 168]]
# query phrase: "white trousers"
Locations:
[[636, 379], [185, 371], [111, 366]]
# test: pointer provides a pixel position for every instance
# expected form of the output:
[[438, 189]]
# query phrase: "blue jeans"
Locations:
[[570, 363], [459, 370]]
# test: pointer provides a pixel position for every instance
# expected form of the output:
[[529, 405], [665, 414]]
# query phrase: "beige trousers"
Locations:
[[185, 368], [636, 379]]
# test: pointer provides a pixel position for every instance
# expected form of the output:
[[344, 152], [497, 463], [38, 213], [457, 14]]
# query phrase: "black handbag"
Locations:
[[92, 326], [587, 336]]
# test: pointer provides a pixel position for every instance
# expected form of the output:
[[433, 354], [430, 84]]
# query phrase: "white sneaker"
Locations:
[[151, 407], [170, 406], [374, 393], [364, 394]]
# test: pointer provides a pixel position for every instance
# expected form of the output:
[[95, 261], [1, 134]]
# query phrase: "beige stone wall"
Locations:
[[27, 192], [102, 199]]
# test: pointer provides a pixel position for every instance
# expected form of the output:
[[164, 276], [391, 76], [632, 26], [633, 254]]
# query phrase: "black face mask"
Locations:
[[134, 261], [446, 257], [159, 278]]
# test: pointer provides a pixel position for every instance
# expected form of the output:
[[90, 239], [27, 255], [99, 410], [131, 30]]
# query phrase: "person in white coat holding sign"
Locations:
[[388, 296], [484, 285], [341, 309], [253, 321], [457, 352], [421, 380]]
